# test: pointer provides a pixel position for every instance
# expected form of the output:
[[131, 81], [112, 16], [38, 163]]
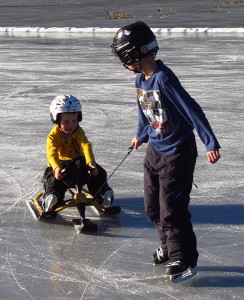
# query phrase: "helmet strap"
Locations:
[[135, 71]]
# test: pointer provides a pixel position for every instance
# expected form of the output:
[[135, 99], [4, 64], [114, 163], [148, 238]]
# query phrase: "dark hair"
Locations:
[[58, 118]]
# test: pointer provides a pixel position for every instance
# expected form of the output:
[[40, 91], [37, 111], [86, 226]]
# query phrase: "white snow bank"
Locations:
[[112, 30]]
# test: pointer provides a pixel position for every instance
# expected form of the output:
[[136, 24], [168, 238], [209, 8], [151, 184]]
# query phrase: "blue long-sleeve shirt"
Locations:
[[162, 100]]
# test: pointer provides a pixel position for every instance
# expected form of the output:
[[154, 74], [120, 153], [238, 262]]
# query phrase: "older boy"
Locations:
[[167, 117]]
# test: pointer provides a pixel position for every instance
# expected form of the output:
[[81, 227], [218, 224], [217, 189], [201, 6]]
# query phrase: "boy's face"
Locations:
[[68, 122]]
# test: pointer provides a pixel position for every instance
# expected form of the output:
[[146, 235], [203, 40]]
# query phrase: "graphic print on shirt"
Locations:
[[151, 104]]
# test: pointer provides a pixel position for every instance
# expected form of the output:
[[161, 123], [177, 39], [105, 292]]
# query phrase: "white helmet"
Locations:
[[65, 104]]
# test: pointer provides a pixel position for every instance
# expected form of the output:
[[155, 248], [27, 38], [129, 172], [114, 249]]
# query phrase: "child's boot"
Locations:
[[49, 201], [108, 198]]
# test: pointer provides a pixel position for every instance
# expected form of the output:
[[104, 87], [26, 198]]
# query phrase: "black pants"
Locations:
[[76, 175], [167, 187]]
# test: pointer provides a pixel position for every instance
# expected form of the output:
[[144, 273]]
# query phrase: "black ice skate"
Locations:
[[160, 257], [179, 272]]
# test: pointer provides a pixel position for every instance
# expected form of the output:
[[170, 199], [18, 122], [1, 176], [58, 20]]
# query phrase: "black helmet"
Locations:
[[134, 42]]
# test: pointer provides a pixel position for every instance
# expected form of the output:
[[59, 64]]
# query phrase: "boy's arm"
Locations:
[[142, 129], [85, 146], [193, 113], [87, 150], [52, 152]]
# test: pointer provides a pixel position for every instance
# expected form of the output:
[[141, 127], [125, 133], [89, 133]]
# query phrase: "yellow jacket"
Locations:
[[67, 147]]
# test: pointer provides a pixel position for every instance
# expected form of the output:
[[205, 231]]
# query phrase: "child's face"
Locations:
[[68, 122]]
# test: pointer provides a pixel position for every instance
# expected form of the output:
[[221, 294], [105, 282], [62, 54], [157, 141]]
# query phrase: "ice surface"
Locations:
[[48, 260]]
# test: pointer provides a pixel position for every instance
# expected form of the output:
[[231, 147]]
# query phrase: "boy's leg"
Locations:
[[151, 203], [95, 182], [54, 190], [175, 188], [175, 179], [98, 186]]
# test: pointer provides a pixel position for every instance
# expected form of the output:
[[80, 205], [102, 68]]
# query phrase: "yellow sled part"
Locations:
[[82, 196]]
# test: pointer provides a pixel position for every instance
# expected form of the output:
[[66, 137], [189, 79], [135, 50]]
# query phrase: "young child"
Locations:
[[167, 117], [70, 158]]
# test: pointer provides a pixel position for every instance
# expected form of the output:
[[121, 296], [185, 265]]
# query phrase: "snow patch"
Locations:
[[112, 30]]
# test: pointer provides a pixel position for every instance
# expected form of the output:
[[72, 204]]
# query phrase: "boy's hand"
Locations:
[[213, 156], [135, 143], [93, 168], [57, 173]]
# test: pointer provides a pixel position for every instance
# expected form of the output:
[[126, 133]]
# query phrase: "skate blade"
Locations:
[[185, 276]]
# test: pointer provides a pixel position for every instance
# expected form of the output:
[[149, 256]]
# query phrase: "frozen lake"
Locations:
[[48, 260]]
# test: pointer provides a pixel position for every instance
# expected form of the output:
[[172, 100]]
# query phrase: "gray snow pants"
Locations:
[[167, 187]]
